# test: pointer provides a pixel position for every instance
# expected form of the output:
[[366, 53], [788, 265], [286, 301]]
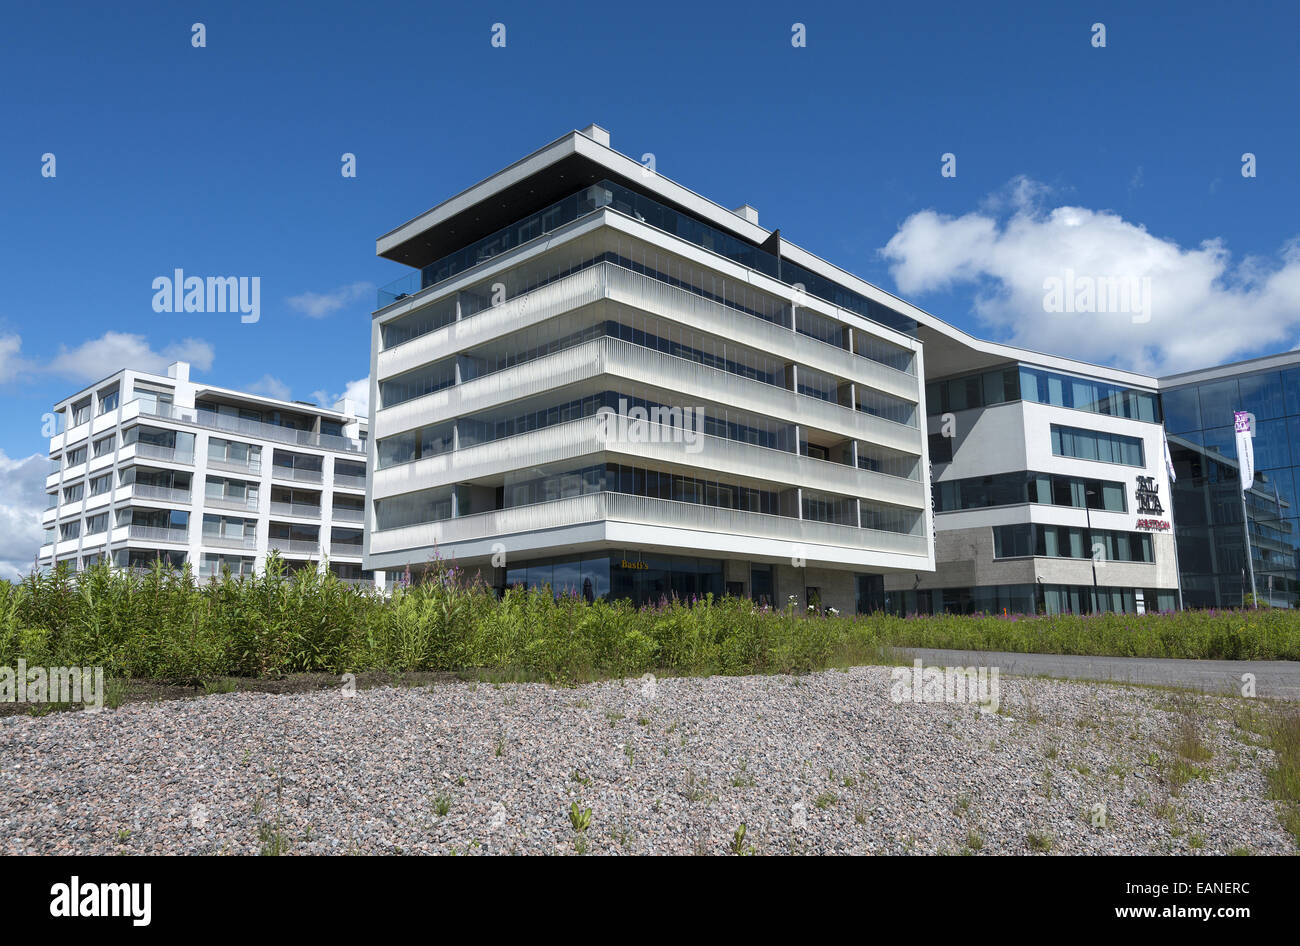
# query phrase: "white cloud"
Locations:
[[271, 387], [317, 305], [1205, 309], [112, 351], [356, 391], [12, 364], [22, 500]]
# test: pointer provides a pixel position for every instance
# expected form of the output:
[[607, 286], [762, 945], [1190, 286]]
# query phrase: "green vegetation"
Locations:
[[162, 624], [1284, 777]]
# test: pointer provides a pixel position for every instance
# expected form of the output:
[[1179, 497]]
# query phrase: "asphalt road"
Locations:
[[1274, 679]]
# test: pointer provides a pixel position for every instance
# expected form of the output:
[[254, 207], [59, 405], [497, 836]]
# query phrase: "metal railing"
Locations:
[[349, 481], [643, 510], [294, 546], [250, 467], [296, 474], [248, 542], [158, 452], [301, 510], [166, 493], [159, 534], [252, 428], [221, 502]]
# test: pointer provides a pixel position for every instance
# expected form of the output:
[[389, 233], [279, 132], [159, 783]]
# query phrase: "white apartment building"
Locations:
[[765, 440], [577, 282], [147, 467]]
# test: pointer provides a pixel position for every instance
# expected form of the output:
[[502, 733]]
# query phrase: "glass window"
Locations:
[[1218, 401], [1182, 410], [1261, 394]]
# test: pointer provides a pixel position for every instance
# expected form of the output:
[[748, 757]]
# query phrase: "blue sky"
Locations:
[[225, 160]]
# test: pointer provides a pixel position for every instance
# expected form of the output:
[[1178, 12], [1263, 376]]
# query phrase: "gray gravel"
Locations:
[[824, 763]]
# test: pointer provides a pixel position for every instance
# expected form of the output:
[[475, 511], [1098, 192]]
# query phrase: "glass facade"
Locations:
[[643, 578], [1012, 489], [1028, 599], [1051, 541], [1207, 497], [1022, 382], [1103, 447]]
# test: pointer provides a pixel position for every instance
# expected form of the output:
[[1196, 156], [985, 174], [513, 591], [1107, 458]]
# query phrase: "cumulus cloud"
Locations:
[[1203, 307], [12, 364], [317, 305], [271, 387], [22, 500], [358, 392], [97, 357]]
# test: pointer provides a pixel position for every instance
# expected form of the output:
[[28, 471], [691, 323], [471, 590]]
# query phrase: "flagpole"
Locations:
[[1250, 552], [1243, 424], [1172, 478]]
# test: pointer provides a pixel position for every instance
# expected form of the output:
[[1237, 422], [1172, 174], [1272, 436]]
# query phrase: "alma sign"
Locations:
[[1148, 505], [1148, 497]]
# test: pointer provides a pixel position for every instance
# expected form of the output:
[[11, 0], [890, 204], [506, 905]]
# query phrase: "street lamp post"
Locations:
[[1088, 493]]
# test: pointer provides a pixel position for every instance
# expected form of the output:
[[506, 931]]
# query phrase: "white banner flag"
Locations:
[[1169, 463], [1245, 449]]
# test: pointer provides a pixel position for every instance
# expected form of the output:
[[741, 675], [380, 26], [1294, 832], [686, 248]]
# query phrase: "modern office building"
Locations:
[[148, 467], [1208, 500], [598, 380]]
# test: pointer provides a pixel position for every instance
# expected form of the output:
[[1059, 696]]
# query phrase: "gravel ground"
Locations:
[[824, 763]]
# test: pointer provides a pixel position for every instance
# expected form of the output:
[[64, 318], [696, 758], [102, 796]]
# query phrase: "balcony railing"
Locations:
[[296, 474], [643, 510], [302, 510], [251, 428], [165, 493], [346, 549], [294, 546], [349, 481], [224, 502], [344, 514], [248, 542], [159, 534], [158, 452], [656, 443], [249, 467]]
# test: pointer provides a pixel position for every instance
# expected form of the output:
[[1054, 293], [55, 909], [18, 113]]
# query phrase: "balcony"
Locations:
[[644, 511], [231, 502], [246, 467], [296, 475], [649, 443], [349, 481], [605, 280], [293, 546], [344, 514], [155, 451], [159, 534], [301, 510], [694, 383], [166, 494], [345, 549], [246, 542], [358, 582], [252, 428]]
